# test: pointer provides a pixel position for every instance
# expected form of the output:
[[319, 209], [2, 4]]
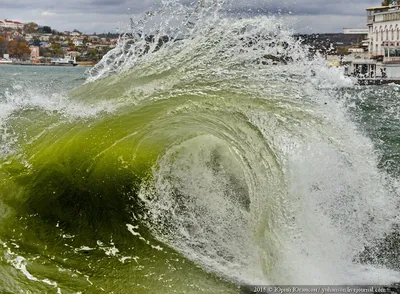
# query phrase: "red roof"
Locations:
[[10, 21]]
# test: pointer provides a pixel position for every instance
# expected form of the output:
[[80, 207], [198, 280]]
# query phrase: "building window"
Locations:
[[392, 35], [387, 35]]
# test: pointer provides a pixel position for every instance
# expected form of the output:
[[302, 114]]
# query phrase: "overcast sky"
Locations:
[[321, 16]]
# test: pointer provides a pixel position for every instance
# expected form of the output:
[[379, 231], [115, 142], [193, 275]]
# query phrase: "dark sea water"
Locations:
[[196, 166], [376, 109]]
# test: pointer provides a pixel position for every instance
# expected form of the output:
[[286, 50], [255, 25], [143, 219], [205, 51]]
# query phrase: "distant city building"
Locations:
[[73, 53], [11, 24], [355, 31], [34, 52], [78, 42], [363, 44], [44, 38], [28, 37], [356, 50], [44, 44], [39, 37], [94, 38]]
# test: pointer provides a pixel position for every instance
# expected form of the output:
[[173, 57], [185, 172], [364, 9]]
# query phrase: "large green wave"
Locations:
[[191, 166], [76, 185]]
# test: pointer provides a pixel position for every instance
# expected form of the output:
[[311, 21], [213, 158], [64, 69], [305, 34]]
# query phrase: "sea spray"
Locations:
[[213, 151]]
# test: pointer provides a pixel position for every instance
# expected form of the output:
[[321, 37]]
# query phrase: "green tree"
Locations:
[[56, 49], [19, 49], [30, 27], [47, 29], [388, 2], [35, 42], [93, 54], [44, 51], [3, 46], [71, 46]]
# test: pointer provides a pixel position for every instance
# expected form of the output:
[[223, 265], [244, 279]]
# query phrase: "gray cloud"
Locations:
[[108, 15]]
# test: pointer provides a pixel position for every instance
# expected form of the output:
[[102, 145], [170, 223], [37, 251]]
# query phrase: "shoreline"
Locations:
[[87, 64]]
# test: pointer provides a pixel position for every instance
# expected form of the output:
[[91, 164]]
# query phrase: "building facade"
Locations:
[[34, 52], [11, 24], [355, 31], [384, 32], [383, 61]]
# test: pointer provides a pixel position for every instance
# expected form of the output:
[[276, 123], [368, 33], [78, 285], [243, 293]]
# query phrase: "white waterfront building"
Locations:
[[383, 60], [384, 32]]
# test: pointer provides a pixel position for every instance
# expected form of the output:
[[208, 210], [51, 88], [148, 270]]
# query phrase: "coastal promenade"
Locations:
[[50, 64]]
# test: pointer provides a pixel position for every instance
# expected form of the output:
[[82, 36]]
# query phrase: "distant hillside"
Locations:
[[331, 43], [327, 39]]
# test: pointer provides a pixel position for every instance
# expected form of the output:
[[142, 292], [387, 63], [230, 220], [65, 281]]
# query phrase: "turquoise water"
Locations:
[[196, 167], [58, 78]]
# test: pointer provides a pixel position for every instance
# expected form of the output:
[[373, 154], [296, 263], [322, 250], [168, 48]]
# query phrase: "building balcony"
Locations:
[[391, 59], [390, 44]]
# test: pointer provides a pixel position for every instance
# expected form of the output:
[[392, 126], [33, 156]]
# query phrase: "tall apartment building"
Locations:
[[384, 32]]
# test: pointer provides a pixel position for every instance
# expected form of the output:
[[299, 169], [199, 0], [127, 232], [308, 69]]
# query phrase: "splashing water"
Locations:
[[204, 151]]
